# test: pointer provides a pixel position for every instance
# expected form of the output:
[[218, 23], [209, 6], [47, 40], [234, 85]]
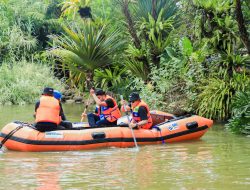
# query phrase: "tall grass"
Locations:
[[22, 82]]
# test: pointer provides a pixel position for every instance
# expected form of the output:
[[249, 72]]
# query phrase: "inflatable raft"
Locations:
[[166, 129]]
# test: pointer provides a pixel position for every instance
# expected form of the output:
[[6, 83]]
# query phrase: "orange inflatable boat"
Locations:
[[166, 129]]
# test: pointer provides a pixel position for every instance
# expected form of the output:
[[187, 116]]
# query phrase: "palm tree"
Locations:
[[86, 48]]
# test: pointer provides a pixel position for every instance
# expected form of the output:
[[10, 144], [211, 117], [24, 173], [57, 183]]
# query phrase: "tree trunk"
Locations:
[[241, 25], [154, 4], [130, 23], [89, 80]]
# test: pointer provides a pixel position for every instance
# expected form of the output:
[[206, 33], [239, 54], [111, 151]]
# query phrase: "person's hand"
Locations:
[[123, 102], [84, 114], [132, 125], [92, 91]]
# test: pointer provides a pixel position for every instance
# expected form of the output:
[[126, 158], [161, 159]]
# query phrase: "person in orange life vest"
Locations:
[[141, 117], [48, 112], [107, 111]]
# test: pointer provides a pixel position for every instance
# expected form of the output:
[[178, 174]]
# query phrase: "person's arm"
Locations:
[[36, 107], [97, 101], [125, 107], [62, 113], [143, 115]]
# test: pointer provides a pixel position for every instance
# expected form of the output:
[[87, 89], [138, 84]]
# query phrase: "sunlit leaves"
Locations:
[[70, 7]]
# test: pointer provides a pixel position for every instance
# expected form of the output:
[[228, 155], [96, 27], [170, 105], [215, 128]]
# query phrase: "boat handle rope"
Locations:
[[10, 134], [159, 129]]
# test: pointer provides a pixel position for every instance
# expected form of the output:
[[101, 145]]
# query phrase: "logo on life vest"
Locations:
[[54, 135], [173, 126]]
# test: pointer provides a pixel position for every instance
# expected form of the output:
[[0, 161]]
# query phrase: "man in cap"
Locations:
[[107, 111], [141, 117], [48, 112]]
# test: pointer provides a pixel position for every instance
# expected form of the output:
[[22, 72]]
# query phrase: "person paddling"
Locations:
[[107, 111], [48, 112], [141, 117]]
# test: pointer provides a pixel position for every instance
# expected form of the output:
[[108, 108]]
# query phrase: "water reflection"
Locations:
[[48, 175], [219, 160]]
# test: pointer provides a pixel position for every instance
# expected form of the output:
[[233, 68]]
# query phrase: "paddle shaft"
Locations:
[[132, 131], [86, 107]]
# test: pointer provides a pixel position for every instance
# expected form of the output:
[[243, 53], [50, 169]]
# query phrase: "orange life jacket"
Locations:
[[137, 118], [111, 114], [48, 110]]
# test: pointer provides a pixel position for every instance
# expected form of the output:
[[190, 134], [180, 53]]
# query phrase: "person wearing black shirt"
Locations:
[[48, 112], [140, 112], [106, 112]]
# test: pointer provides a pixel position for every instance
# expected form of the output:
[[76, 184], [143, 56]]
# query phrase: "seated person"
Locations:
[[107, 111], [64, 123], [141, 117], [48, 112]]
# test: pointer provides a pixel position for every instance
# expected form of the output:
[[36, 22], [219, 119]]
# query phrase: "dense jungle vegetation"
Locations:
[[183, 56]]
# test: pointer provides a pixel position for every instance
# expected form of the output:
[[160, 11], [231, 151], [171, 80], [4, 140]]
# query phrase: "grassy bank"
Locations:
[[22, 82]]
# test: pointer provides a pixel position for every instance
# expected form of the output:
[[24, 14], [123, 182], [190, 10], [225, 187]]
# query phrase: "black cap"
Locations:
[[134, 96], [48, 91], [99, 92]]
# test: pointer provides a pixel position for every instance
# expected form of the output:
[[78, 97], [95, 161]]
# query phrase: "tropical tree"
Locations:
[[86, 48], [149, 24], [225, 66]]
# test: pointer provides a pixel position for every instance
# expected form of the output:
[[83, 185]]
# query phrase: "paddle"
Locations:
[[132, 131], [85, 109]]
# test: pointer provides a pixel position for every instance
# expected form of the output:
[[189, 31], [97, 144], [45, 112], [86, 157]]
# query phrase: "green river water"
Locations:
[[219, 160]]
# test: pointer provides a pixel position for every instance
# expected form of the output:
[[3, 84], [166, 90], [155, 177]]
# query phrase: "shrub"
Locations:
[[240, 122], [22, 82]]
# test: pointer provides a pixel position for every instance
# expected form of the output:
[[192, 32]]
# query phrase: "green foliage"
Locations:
[[167, 88], [18, 43], [71, 7], [219, 6], [153, 27], [216, 96], [113, 79], [222, 67], [137, 69], [240, 122], [181, 55], [86, 48], [187, 47], [157, 31], [22, 82], [24, 27], [144, 7]]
